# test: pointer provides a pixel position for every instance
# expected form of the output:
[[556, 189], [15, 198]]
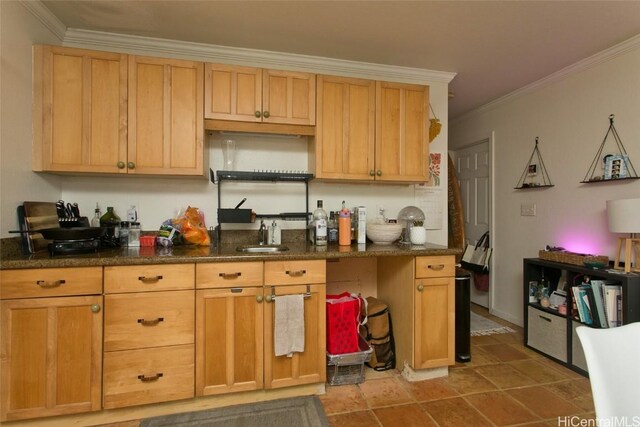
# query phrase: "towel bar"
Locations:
[[305, 295]]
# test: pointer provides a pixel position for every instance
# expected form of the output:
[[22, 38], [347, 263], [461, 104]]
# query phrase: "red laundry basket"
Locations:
[[343, 313]]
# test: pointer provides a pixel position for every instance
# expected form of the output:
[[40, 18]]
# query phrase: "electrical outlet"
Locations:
[[528, 209]]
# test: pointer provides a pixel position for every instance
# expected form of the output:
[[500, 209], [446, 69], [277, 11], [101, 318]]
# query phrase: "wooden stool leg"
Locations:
[[616, 263], [628, 255]]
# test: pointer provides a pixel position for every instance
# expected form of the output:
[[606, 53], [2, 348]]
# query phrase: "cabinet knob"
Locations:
[[131, 165], [420, 287], [95, 308], [266, 114], [372, 172], [379, 172], [258, 114], [268, 298], [259, 298], [120, 165]]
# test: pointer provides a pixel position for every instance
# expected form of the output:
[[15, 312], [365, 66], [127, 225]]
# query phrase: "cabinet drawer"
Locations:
[[435, 266], [141, 278], [577, 353], [229, 275], [294, 272], [547, 333], [136, 377], [148, 319], [50, 282]]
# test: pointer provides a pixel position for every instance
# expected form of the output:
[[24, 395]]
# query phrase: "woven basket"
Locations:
[[572, 258]]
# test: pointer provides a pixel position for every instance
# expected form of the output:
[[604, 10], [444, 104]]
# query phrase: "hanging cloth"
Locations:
[[434, 126]]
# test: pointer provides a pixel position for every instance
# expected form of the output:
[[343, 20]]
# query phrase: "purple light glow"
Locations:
[[578, 242]]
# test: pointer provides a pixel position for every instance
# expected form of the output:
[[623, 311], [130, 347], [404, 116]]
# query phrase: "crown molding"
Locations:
[[601, 57], [261, 58], [44, 15]]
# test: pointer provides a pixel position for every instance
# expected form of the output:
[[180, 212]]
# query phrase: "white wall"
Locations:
[[158, 199], [19, 30], [570, 117]]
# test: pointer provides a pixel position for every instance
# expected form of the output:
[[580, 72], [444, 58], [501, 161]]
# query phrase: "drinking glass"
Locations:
[[229, 154]]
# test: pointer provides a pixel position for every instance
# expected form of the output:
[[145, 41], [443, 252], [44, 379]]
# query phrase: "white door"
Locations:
[[472, 166]]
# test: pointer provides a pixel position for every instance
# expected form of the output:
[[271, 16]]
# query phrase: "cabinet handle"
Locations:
[[436, 267], [296, 273], [258, 114], [146, 279], [146, 379], [420, 287], [379, 172], [53, 284], [131, 165], [268, 298], [153, 322], [230, 275], [259, 298], [120, 165], [266, 114], [545, 318], [236, 290], [95, 308], [372, 173]]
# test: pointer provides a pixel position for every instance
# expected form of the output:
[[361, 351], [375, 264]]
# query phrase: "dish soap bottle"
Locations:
[[95, 221], [344, 226], [274, 234], [320, 225]]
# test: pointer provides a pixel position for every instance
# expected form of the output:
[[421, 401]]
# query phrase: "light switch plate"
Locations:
[[528, 209]]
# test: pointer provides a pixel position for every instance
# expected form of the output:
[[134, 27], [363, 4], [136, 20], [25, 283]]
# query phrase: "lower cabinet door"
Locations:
[[51, 356], [229, 340], [305, 367], [434, 308], [137, 377]]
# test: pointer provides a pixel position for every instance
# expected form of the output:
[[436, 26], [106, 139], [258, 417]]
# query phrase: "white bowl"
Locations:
[[383, 233]]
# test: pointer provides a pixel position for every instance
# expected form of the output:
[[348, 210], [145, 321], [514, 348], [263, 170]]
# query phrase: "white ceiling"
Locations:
[[495, 47]]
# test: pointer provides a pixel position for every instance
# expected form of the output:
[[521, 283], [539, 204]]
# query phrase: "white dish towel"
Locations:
[[289, 325]]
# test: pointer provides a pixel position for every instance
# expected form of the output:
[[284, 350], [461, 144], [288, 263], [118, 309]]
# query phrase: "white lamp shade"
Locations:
[[624, 215]]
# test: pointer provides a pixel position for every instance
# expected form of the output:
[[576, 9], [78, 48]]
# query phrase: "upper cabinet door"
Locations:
[[166, 127], [233, 93], [345, 132], [288, 97], [79, 110], [402, 117]]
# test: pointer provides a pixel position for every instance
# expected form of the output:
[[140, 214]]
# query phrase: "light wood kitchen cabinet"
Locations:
[[229, 327], [258, 95], [166, 127], [420, 292], [371, 130], [344, 146], [149, 334], [402, 137], [51, 343], [79, 110], [298, 277]]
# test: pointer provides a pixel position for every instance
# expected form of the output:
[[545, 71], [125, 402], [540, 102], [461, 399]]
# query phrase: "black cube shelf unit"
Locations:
[[553, 334]]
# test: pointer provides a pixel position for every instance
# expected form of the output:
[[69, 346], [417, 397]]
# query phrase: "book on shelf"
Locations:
[[613, 304], [598, 293], [582, 302], [593, 308]]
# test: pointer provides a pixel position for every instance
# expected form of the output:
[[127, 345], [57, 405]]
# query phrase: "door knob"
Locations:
[[258, 113], [420, 287], [259, 298], [120, 165], [266, 114], [131, 165]]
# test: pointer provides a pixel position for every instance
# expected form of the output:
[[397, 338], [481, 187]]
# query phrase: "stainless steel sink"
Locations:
[[262, 248]]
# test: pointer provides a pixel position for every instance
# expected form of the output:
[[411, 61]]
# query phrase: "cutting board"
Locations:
[[38, 216]]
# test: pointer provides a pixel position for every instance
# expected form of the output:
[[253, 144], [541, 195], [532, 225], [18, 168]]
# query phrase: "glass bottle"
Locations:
[[332, 228], [124, 233], [320, 225], [95, 221], [111, 222]]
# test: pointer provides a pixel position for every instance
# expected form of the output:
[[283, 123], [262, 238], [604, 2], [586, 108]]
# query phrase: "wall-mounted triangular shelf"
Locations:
[[535, 173], [614, 166]]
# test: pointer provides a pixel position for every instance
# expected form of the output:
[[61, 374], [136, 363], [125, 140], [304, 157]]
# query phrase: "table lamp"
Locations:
[[624, 217]]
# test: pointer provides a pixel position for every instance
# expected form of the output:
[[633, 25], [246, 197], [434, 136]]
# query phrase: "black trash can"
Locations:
[[463, 315]]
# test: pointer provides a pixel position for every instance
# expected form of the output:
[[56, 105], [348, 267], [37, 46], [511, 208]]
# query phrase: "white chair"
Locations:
[[613, 359]]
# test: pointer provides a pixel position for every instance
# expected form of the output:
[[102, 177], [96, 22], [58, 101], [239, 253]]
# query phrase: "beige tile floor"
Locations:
[[504, 384]]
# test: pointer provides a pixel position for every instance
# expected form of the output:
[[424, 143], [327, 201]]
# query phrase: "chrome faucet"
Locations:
[[263, 237]]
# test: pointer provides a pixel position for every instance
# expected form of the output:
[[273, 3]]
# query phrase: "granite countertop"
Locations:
[[202, 254]]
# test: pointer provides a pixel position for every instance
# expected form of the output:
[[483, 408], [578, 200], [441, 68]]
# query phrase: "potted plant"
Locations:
[[418, 233]]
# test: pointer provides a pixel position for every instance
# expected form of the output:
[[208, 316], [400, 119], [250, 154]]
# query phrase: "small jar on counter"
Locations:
[[123, 234], [134, 234]]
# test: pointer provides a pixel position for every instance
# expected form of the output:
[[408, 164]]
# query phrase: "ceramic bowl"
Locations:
[[383, 233]]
